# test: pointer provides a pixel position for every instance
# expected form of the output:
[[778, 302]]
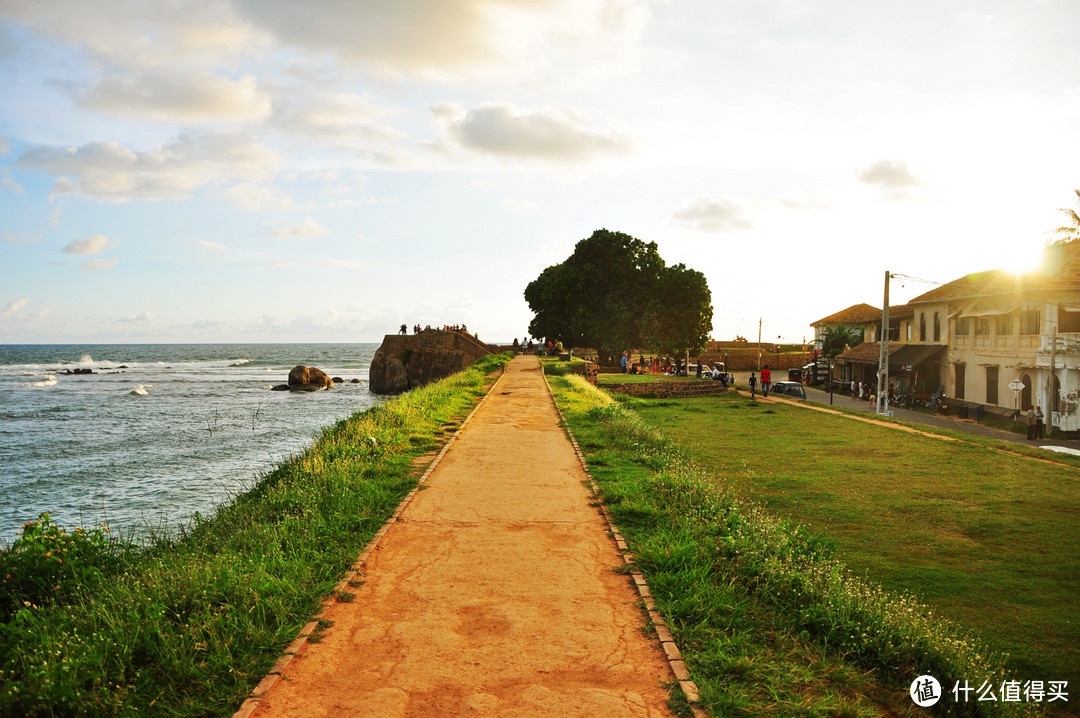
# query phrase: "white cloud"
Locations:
[[415, 37], [143, 316], [9, 184], [888, 173], [20, 238], [108, 171], [206, 245], [255, 197], [176, 96], [503, 130], [95, 265], [93, 244], [4, 147], [142, 35], [713, 214], [13, 308], [307, 228], [339, 120], [519, 206]]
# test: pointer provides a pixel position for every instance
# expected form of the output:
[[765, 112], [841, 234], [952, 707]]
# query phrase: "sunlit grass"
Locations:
[[769, 619]]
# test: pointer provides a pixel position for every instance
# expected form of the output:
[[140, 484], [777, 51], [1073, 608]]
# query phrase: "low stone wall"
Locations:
[[666, 389]]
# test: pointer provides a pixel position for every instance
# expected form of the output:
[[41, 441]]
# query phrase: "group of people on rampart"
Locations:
[[428, 328]]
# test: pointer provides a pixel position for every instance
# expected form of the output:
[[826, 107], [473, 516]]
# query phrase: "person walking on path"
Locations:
[[753, 384], [496, 591], [766, 381]]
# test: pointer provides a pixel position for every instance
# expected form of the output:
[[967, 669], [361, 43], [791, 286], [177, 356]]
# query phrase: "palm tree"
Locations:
[[1071, 231], [837, 338]]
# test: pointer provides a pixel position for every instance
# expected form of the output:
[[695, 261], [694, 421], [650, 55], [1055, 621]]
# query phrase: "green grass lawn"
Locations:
[[989, 540]]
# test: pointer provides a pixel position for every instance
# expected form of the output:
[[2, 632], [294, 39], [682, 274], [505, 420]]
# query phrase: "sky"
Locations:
[[274, 171]]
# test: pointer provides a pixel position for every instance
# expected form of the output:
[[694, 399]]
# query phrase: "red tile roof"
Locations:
[[867, 351], [855, 314]]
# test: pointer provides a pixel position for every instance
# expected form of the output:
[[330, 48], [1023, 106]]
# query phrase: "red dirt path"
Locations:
[[493, 595]]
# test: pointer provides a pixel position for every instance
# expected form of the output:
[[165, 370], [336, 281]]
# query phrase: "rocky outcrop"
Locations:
[[303, 378], [406, 362]]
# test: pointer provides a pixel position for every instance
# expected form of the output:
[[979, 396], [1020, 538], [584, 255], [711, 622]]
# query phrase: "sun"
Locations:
[[1023, 260]]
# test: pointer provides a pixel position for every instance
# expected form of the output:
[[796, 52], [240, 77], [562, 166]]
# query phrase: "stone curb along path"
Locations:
[[493, 591]]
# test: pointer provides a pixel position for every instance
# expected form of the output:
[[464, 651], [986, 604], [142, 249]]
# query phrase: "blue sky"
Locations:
[[232, 170]]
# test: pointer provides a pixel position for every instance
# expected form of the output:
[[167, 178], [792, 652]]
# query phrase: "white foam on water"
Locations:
[[47, 381], [141, 391]]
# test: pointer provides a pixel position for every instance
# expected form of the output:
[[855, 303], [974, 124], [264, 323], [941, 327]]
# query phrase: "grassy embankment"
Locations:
[[770, 617], [91, 626]]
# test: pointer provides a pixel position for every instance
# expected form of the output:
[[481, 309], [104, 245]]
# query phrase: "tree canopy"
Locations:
[[838, 338], [615, 293]]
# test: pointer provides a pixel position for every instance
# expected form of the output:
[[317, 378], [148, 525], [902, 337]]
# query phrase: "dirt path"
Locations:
[[493, 595]]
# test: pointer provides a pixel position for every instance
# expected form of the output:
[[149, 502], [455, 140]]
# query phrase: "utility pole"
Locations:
[[1048, 413], [759, 345], [883, 356]]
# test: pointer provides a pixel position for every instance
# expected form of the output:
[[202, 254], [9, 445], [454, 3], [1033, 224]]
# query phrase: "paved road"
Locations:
[[494, 593]]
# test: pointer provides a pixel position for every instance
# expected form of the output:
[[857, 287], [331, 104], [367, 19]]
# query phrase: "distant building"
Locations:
[[977, 335], [1002, 327]]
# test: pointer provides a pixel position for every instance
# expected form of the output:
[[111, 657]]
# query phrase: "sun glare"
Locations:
[[1022, 260]]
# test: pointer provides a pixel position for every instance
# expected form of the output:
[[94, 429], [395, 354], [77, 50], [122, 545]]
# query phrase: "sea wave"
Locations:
[[47, 381]]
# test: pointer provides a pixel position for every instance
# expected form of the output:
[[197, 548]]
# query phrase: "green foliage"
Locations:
[[46, 563], [678, 316], [1070, 231], [614, 292], [839, 338]]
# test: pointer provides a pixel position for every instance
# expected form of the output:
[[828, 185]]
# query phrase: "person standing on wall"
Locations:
[[766, 381]]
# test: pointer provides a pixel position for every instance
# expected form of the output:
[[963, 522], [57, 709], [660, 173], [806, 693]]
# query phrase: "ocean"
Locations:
[[158, 431]]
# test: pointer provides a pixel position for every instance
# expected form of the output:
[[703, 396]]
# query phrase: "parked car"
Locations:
[[791, 389], [795, 374]]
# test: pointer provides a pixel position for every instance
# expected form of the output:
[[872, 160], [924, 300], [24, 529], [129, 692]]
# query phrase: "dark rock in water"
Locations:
[[355, 381], [338, 380], [123, 366], [73, 372], [303, 378], [280, 387]]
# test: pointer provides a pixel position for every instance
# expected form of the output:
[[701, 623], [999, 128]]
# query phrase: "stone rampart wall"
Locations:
[[666, 389], [406, 361]]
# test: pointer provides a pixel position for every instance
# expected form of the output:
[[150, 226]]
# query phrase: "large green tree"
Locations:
[[614, 293]]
